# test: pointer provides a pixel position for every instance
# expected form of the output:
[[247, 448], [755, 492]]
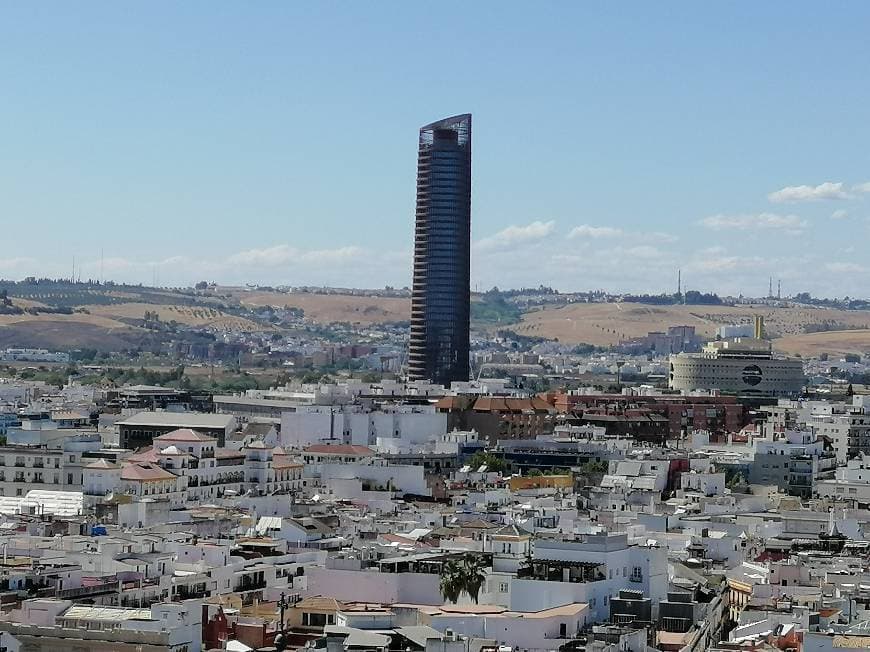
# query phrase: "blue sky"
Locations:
[[275, 142]]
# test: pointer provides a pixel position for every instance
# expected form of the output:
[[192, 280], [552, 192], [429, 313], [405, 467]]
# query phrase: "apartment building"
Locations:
[[142, 428], [187, 466], [793, 463], [589, 569], [848, 429], [58, 467]]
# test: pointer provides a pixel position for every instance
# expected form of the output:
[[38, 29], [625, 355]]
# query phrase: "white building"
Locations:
[[591, 569], [49, 624], [59, 467], [744, 365], [361, 425], [33, 355], [849, 429]]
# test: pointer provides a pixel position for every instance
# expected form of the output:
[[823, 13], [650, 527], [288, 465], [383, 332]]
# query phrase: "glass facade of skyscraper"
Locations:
[[440, 305]]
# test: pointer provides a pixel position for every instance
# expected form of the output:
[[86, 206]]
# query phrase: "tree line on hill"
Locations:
[[689, 297]]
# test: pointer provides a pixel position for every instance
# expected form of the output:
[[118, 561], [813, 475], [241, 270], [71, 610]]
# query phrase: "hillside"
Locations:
[[832, 342], [326, 308], [604, 324], [63, 315], [60, 315], [63, 332], [199, 316]]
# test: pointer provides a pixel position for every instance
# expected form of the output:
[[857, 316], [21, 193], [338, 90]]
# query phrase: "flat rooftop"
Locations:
[[179, 420], [84, 612]]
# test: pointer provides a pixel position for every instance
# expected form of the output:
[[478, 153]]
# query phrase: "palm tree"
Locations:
[[465, 575], [475, 575], [451, 580]]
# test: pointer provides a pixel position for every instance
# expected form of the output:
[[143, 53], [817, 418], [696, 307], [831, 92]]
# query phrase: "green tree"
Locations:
[[492, 462], [451, 580], [464, 575]]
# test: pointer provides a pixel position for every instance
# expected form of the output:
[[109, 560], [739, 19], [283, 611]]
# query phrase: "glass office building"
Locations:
[[440, 302]]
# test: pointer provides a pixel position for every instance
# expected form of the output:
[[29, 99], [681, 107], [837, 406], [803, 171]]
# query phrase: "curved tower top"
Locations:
[[459, 124]]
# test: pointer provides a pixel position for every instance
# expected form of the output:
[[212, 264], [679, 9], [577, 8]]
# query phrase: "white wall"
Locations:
[[355, 425], [374, 586], [403, 478]]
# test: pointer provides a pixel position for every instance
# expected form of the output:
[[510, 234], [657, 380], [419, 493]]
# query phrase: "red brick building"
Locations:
[[717, 414], [498, 417]]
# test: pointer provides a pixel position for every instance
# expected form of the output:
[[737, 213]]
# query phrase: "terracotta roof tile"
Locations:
[[145, 473]]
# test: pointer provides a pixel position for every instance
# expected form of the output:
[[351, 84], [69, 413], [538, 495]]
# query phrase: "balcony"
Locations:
[[86, 591], [195, 591], [250, 585], [550, 570]]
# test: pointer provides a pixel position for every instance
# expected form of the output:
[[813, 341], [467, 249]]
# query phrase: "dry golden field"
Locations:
[[326, 308], [189, 315], [831, 342], [63, 332], [604, 324]]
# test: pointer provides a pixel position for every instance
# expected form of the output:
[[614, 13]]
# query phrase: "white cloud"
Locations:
[[659, 236], [285, 255], [14, 264], [715, 263], [515, 235], [758, 222], [826, 190], [589, 231], [845, 268], [276, 255], [640, 251], [839, 214], [862, 187]]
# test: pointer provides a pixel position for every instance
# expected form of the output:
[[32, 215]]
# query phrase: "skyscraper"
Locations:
[[440, 303]]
